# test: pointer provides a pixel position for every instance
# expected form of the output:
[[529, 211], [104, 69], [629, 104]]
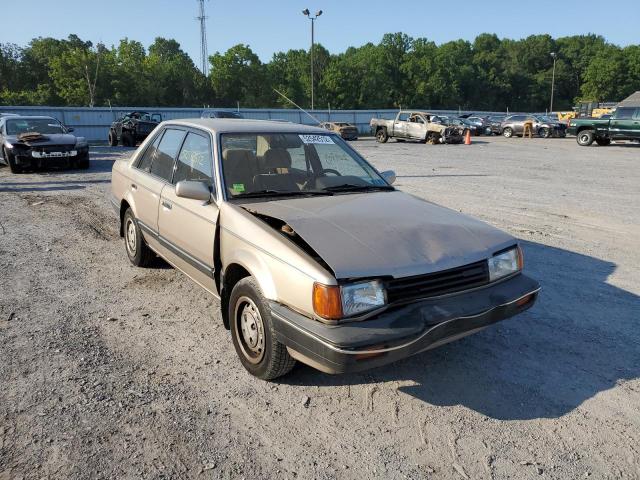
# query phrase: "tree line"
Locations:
[[489, 73]]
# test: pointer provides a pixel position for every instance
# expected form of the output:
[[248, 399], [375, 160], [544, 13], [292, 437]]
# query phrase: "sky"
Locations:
[[278, 25]]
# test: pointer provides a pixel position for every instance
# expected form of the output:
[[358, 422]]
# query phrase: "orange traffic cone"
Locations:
[[467, 138]]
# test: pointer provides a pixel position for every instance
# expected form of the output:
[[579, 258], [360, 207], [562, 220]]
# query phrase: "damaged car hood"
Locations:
[[385, 233], [45, 140]]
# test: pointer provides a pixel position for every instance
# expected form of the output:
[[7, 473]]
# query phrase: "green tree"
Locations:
[[238, 75]]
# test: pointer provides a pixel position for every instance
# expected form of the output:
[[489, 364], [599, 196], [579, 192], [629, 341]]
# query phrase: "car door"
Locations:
[[635, 125], [187, 226], [400, 125], [155, 170], [620, 126], [416, 128], [119, 123]]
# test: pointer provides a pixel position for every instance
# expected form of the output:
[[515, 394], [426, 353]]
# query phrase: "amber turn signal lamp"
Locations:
[[520, 257], [326, 301]]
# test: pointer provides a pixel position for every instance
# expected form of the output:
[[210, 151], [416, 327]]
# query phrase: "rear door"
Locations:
[[621, 125], [187, 226]]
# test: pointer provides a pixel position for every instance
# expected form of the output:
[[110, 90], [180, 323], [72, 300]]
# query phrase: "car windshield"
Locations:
[[39, 125], [281, 164]]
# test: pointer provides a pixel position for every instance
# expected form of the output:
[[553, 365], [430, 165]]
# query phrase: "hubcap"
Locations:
[[251, 329], [131, 237]]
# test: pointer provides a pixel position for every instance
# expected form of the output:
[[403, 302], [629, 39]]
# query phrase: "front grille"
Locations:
[[54, 148], [438, 283]]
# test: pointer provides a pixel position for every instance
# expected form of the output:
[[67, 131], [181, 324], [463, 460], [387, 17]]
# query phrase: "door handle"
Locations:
[[134, 186], [166, 205]]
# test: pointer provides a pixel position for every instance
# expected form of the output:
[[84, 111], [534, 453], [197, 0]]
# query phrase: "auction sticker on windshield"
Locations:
[[316, 139]]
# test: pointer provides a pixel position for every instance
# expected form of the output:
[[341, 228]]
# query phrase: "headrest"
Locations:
[[277, 158]]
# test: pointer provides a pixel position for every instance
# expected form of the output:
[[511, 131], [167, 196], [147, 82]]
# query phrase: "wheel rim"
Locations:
[[584, 138], [507, 132], [250, 330], [131, 237], [380, 135]]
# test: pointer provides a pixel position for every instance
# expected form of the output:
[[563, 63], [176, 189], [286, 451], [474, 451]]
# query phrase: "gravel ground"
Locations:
[[109, 371]]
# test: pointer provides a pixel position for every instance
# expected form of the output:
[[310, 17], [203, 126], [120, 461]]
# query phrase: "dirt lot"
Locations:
[[109, 371]]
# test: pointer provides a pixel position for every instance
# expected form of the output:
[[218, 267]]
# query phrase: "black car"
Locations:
[[495, 123], [133, 128], [221, 114], [39, 142]]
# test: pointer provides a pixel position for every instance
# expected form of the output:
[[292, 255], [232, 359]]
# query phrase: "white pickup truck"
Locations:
[[415, 125]]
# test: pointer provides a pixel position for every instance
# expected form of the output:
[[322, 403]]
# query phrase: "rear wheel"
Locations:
[[253, 334], [585, 138], [382, 136], [113, 138], [137, 250], [603, 142], [507, 132]]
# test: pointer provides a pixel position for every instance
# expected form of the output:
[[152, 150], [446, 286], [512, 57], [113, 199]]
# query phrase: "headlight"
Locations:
[[505, 264], [334, 302]]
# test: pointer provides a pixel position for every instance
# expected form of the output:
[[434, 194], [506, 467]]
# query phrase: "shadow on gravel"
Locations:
[[46, 188], [451, 175], [580, 339]]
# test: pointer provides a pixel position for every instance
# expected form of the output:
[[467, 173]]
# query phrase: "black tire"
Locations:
[[83, 162], [259, 351], [603, 142], [127, 139], [11, 162], [507, 132], [381, 135], [544, 132], [113, 139], [585, 138], [137, 250]]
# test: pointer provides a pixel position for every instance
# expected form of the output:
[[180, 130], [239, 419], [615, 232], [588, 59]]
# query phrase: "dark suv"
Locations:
[[133, 128]]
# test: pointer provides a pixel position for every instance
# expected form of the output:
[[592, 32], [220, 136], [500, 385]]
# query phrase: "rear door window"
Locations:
[[145, 161], [195, 162], [625, 113], [162, 165]]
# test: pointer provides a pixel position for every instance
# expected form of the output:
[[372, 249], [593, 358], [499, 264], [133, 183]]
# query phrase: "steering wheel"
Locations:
[[331, 170]]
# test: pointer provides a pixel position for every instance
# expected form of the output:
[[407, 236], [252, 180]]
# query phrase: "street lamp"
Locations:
[[553, 79], [307, 13]]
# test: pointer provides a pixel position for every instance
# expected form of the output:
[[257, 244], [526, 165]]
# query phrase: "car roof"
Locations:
[[37, 117], [235, 125]]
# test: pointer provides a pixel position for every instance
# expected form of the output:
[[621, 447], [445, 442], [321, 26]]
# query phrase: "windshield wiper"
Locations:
[[281, 193], [351, 187]]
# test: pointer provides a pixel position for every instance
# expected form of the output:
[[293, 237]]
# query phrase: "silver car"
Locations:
[[314, 255]]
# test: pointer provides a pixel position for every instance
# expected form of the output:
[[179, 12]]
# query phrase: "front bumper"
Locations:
[[403, 331]]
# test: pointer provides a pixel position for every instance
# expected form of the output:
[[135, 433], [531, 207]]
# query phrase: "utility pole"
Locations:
[[553, 80], [202, 18], [307, 13]]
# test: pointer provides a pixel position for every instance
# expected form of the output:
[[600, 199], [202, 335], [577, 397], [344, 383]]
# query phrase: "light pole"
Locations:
[[553, 80], [307, 13]]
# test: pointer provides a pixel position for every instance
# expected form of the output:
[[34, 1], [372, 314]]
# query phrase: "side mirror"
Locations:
[[70, 129], [194, 190], [389, 176]]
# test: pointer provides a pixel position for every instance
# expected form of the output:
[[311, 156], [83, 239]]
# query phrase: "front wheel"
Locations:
[[83, 162], [544, 132], [253, 334], [382, 136], [128, 139], [585, 138], [137, 250], [11, 161], [603, 142], [507, 132]]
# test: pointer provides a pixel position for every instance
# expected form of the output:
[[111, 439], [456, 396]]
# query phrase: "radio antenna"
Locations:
[[296, 105]]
